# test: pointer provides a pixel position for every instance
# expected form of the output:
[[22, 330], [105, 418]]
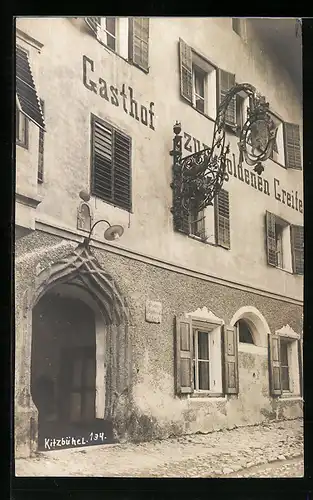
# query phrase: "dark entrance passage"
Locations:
[[63, 376]]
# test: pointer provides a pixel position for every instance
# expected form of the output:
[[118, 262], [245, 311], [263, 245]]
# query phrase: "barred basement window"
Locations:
[[222, 219], [41, 149], [111, 164], [245, 334]]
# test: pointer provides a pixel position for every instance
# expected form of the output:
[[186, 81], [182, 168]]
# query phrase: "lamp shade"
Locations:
[[113, 232]]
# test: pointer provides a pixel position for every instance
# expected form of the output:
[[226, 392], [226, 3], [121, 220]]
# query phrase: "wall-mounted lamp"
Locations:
[[111, 233]]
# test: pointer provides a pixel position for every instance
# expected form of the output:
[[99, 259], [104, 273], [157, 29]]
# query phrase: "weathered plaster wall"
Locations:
[[155, 410], [58, 70]]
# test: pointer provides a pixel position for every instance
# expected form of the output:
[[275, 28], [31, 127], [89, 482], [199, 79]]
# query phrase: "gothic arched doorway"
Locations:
[[79, 353]]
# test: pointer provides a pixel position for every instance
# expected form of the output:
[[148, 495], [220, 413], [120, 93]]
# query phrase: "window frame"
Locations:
[[197, 360], [24, 143]]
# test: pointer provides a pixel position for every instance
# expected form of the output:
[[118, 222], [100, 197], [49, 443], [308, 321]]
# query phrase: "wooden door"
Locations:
[[78, 384]]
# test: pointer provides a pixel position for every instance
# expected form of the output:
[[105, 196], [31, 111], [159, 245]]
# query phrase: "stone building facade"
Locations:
[[161, 332]]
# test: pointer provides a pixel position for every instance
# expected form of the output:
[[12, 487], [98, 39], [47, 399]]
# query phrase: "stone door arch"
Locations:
[[81, 271]]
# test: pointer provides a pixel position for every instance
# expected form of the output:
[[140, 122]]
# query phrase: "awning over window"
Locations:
[[26, 90]]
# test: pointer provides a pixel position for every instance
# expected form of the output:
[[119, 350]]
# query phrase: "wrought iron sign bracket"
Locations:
[[198, 178]]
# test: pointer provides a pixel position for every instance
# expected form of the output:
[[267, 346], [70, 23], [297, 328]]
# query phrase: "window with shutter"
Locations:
[[128, 37], [292, 146], [230, 343], [271, 239], [139, 42], [111, 164], [274, 365], [198, 357], [222, 219], [297, 249], [225, 82]]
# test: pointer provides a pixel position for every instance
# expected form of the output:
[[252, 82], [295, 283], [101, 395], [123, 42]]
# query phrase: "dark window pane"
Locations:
[[284, 353], [285, 378], [200, 104], [245, 334], [110, 25], [204, 377], [199, 83], [203, 345]]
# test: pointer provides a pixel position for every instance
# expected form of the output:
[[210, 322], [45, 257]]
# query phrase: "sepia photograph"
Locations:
[[159, 247]]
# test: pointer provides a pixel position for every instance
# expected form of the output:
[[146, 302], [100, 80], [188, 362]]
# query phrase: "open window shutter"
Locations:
[[139, 41], [26, 91], [297, 249], [222, 219], [184, 355], [300, 354], [292, 146], [230, 343], [225, 82], [274, 365], [185, 61], [122, 170], [93, 23], [271, 239]]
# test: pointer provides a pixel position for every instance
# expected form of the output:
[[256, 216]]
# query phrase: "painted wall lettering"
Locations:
[[123, 98], [260, 183]]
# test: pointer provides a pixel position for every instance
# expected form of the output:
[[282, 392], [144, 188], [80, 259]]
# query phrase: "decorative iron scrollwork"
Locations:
[[198, 178]]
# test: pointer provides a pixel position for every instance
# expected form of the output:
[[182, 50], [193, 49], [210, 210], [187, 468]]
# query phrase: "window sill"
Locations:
[[290, 397], [207, 395], [197, 238], [22, 145]]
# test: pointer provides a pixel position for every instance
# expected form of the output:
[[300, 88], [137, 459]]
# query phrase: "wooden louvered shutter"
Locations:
[[230, 343], [93, 23], [225, 82], [292, 146], [184, 355], [102, 160], [111, 162], [122, 170], [270, 220], [222, 219], [26, 91], [185, 62], [139, 42], [41, 148], [274, 365], [297, 248]]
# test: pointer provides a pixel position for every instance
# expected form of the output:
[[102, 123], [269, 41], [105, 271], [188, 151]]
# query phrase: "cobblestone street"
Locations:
[[268, 450]]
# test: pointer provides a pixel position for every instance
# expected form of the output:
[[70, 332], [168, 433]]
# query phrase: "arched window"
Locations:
[[245, 333]]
